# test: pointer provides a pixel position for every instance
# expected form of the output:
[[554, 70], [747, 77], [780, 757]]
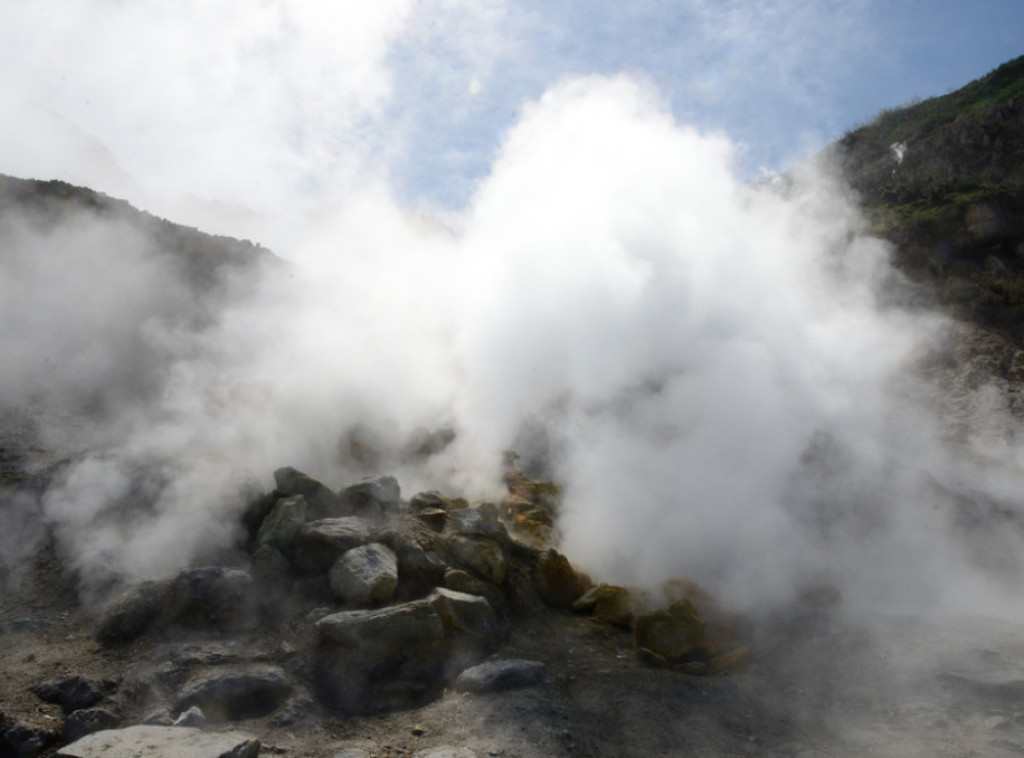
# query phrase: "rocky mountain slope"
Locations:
[[943, 179]]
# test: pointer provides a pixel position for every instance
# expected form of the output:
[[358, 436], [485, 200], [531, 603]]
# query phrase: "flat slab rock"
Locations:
[[496, 676], [163, 742]]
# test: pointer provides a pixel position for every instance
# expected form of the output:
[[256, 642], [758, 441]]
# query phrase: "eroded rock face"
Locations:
[[497, 676]]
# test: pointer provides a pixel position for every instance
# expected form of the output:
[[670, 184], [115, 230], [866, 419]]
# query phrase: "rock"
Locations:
[[672, 634], [464, 614], [445, 751], [423, 443], [482, 556], [463, 581], [88, 720], [523, 593], [556, 580], [248, 692], [496, 676], [26, 741], [351, 752], [211, 597], [435, 518], [415, 621], [373, 496], [481, 521], [70, 693], [414, 562], [193, 716], [321, 501], [161, 717], [163, 742], [365, 575], [434, 499], [132, 614], [609, 603], [269, 566], [317, 544], [284, 520]]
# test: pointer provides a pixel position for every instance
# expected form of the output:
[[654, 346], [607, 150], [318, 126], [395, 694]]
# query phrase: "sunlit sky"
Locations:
[[263, 104]]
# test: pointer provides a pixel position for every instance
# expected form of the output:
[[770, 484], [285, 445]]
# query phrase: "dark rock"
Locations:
[[321, 501], [463, 581], [415, 621], [163, 742], [445, 751], [269, 566], [672, 634], [26, 741], [434, 499], [211, 597], [88, 720], [373, 496], [133, 613], [481, 521], [435, 518], [283, 521], [414, 562], [365, 575], [244, 693], [496, 676], [464, 614], [556, 580], [70, 693], [317, 545], [484, 557]]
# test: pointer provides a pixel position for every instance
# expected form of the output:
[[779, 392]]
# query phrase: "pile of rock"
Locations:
[[358, 601]]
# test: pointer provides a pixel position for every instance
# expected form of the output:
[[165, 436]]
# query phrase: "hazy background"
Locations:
[[547, 229]]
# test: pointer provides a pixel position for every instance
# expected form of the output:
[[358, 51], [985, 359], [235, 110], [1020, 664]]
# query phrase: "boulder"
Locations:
[[609, 603], [321, 501], [373, 496], [464, 614], [414, 562], [212, 597], [247, 692], [463, 581], [365, 575], [481, 521], [482, 556], [556, 580], [283, 521], [317, 544], [672, 634], [496, 676], [163, 742], [71, 693], [415, 621], [26, 741], [434, 499], [435, 518], [192, 716], [133, 613], [88, 720]]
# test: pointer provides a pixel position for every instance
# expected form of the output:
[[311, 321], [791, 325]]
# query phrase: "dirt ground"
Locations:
[[817, 686]]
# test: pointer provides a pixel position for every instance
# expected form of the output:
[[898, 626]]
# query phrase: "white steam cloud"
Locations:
[[713, 369]]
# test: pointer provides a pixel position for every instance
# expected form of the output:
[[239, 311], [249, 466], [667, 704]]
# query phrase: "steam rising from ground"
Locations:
[[716, 371]]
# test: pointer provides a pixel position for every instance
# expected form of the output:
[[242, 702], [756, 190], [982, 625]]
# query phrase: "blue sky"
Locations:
[[263, 104]]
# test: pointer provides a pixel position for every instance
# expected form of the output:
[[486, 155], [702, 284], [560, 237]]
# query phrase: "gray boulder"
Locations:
[[283, 521], [484, 557], [415, 621], [71, 693], [88, 720], [365, 575], [321, 501], [133, 613], [211, 597], [317, 544], [496, 676], [373, 496], [248, 692], [163, 742]]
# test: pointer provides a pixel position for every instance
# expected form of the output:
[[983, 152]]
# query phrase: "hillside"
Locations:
[[943, 179]]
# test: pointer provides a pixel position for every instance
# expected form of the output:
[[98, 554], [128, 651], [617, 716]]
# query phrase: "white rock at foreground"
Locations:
[[163, 742]]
